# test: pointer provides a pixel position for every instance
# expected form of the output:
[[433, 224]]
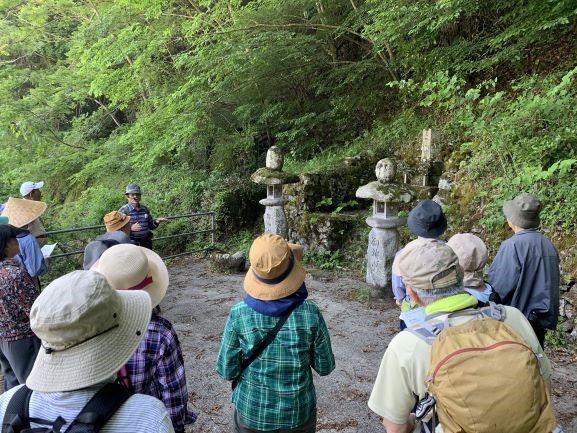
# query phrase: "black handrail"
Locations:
[[212, 231]]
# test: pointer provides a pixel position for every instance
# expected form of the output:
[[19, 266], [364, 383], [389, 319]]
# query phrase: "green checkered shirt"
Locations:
[[276, 391]]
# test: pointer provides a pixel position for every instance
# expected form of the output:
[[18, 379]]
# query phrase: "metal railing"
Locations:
[[211, 230]]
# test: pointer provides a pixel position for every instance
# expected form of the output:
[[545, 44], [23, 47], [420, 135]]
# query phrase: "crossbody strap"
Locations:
[[263, 344]]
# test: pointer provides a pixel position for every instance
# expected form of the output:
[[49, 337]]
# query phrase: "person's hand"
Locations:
[[136, 227], [397, 302], [161, 220]]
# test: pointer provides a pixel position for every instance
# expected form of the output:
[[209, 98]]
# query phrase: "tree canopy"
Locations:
[[185, 96]]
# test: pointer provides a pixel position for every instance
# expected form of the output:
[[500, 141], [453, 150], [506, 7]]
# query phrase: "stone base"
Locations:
[[383, 244], [275, 221]]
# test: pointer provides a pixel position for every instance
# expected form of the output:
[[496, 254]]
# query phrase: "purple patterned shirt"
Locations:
[[157, 369], [17, 294]]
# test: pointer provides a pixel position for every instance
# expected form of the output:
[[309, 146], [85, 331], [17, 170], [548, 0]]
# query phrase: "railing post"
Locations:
[[212, 228]]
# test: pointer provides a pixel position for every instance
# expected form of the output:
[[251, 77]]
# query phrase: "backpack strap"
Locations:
[[17, 417], [101, 407], [430, 329]]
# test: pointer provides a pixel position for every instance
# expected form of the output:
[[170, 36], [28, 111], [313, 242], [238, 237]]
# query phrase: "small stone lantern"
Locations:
[[384, 236], [274, 178]]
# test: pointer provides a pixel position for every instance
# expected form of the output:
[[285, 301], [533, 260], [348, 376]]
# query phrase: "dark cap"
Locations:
[[523, 210], [427, 220]]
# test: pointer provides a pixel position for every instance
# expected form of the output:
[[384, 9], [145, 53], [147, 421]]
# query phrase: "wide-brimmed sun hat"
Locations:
[[472, 253], [88, 331], [115, 220], [275, 270], [130, 267], [427, 219], [22, 212], [523, 210]]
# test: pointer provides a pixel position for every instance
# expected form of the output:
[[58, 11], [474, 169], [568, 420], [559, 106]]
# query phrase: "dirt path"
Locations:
[[198, 303]]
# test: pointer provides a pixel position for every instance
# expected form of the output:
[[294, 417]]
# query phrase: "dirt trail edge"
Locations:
[[198, 302]]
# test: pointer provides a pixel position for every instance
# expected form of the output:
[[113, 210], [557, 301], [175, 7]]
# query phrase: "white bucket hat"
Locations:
[[130, 267], [88, 331]]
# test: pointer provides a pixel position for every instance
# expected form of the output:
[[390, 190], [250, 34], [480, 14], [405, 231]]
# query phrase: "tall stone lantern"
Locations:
[[384, 236], [274, 178]]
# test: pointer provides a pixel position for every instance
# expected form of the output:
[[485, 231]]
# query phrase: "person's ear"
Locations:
[[414, 297]]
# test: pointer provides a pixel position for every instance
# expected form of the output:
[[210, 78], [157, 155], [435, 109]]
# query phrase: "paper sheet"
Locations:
[[48, 249]]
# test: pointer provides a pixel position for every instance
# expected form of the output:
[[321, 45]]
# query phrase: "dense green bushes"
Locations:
[[185, 97]]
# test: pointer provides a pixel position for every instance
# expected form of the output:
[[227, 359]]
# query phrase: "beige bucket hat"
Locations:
[[275, 268], [429, 266], [130, 267], [88, 331], [472, 253], [22, 212]]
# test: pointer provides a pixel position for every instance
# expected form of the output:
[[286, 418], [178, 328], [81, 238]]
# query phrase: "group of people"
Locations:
[[468, 363], [481, 364]]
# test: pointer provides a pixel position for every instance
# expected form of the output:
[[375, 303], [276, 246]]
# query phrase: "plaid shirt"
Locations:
[[157, 369], [276, 391]]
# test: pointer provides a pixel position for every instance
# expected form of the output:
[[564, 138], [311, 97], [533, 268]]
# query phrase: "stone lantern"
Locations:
[[274, 178], [384, 236]]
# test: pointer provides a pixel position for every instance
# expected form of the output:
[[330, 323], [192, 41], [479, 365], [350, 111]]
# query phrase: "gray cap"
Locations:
[[132, 188], [523, 210]]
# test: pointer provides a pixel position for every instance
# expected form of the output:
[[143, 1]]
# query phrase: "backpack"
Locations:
[[483, 376], [99, 409]]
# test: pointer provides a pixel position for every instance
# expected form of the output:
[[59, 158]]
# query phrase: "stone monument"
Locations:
[[274, 178], [384, 236]]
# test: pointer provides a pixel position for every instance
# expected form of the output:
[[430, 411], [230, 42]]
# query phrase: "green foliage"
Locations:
[[185, 97], [324, 259]]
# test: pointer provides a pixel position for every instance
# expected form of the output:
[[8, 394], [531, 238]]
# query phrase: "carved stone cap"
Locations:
[[385, 170], [274, 158], [266, 176], [386, 192]]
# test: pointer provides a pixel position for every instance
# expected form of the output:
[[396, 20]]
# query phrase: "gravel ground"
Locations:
[[198, 303]]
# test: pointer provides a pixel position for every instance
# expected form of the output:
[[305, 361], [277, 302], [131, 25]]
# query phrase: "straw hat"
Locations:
[[130, 267], [88, 331], [115, 220], [22, 212], [274, 271]]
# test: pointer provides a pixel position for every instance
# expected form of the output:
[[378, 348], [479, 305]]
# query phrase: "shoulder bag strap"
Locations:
[[259, 348], [101, 407]]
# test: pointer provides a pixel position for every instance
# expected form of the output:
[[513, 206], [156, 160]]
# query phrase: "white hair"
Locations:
[[429, 296]]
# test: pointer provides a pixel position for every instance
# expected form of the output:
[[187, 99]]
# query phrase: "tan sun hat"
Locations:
[[275, 271], [472, 254], [115, 220], [130, 267], [22, 212], [429, 265], [88, 331]]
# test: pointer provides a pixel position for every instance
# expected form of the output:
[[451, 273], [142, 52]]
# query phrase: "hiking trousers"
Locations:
[[310, 426], [17, 358]]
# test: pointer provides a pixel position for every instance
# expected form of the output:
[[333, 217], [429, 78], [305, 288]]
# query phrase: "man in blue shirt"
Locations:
[[141, 221], [525, 271]]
